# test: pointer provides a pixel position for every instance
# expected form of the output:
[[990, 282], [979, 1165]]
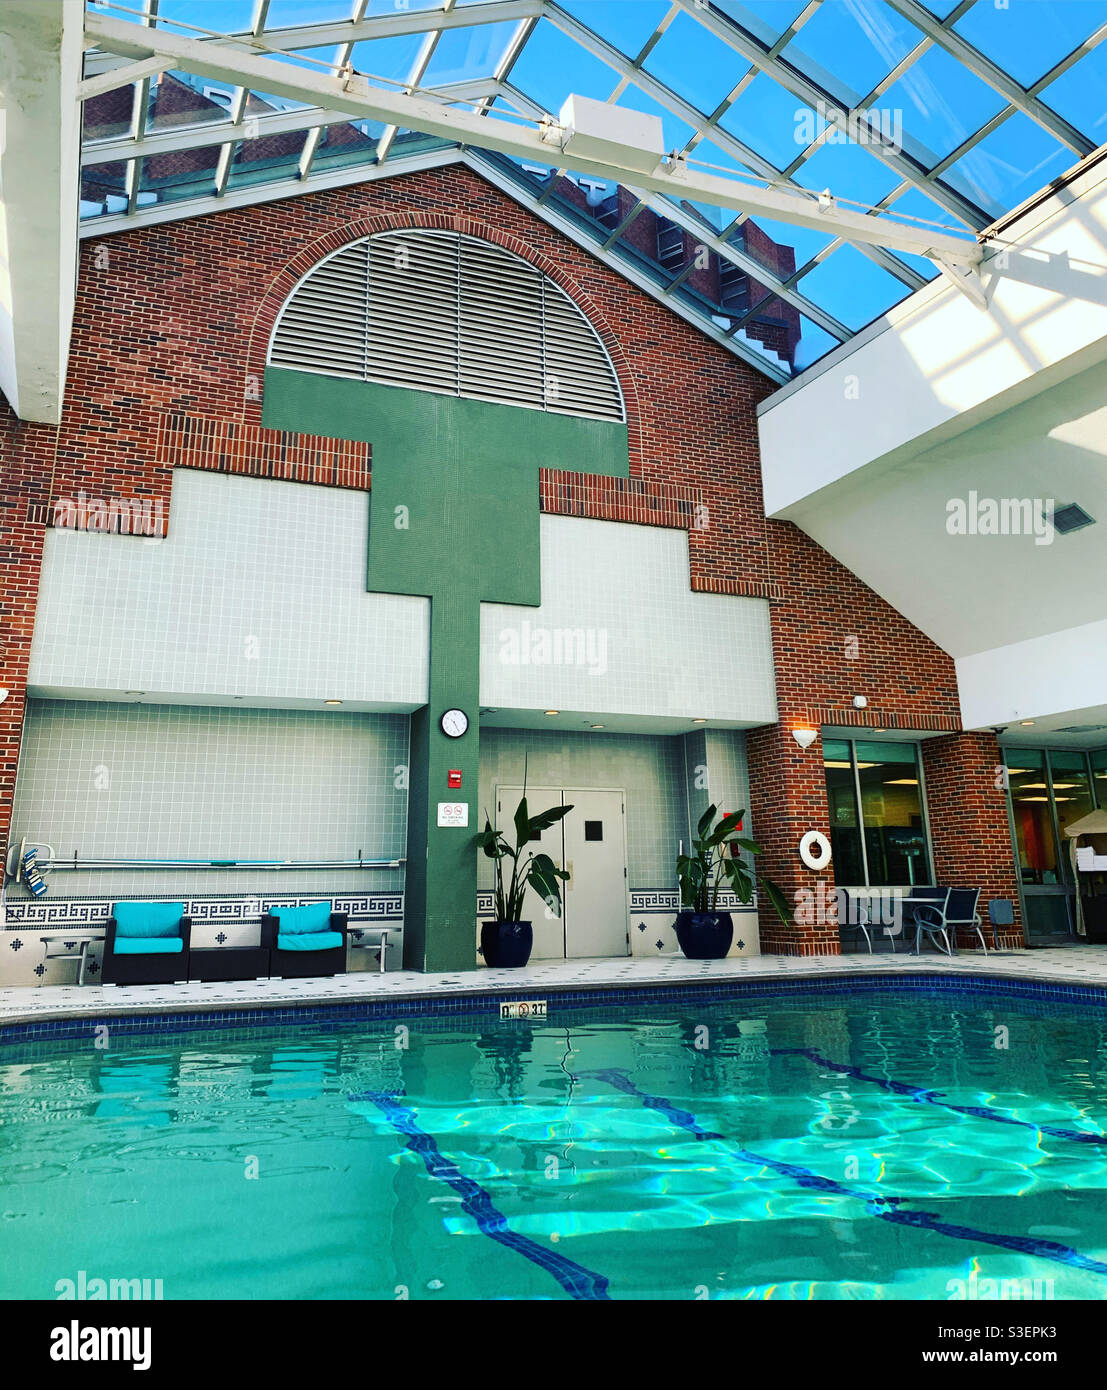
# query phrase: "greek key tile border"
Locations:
[[663, 900], [59, 913]]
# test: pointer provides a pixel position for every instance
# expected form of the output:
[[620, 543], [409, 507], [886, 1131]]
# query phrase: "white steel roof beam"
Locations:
[[258, 127], [732, 146], [40, 67], [361, 98], [315, 134], [338, 32], [722, 247]]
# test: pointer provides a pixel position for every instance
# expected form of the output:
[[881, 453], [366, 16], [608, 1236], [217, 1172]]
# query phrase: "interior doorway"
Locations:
[[590, 842]]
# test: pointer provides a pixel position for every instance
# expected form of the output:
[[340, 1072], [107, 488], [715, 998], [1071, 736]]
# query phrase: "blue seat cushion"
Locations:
[[310, 941], [147, 919], [148, 945], [312, 917]]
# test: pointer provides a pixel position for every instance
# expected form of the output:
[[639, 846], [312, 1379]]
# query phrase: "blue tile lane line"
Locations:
[[578, 1282], [886, 1208], [925, 1097]]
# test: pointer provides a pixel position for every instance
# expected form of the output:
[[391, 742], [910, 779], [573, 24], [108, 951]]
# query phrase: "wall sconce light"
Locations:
[[860, 701], [805, 737], [3, 696]]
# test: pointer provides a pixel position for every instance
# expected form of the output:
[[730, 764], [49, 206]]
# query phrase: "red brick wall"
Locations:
[[168, 352]]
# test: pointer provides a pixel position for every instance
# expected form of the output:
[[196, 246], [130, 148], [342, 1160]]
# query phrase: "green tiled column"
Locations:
[[454, 516]]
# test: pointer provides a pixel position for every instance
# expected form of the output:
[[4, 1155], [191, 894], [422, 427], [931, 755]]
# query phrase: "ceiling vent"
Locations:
[[1071, 517], [438, 311]]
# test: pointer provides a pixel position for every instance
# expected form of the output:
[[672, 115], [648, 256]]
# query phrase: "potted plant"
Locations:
[[507, 941], [703, 931]]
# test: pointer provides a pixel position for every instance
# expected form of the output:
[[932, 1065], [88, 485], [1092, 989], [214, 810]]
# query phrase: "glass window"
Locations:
[[845, 831], [891, 813], [887, 833], [1033, 815], [1099, 778], [1072, 795]]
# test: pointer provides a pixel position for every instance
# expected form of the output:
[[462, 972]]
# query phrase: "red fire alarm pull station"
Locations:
[[453, 777]]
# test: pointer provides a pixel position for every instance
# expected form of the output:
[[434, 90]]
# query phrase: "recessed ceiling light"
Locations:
[[332, 702], [597, 726], [553, 711], [134, 692], [699, 721], [1026, 723]]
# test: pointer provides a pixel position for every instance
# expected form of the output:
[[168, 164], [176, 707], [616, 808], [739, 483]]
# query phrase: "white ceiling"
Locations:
[[974, 593]]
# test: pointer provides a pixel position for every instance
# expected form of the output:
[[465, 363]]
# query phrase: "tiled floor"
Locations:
[[1085, 966]]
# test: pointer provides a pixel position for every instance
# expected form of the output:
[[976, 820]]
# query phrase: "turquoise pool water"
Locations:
[[877, 1146]]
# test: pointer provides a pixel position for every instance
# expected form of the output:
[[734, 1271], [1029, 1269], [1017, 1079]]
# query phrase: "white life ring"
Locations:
[[815, 850]]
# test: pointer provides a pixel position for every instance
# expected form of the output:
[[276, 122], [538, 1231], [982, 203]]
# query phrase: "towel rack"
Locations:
[[75, 861]]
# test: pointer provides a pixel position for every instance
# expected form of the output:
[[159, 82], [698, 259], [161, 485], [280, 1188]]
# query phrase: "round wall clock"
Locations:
[[454, 723]]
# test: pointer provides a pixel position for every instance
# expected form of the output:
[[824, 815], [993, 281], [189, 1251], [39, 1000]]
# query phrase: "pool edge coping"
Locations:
[[736, 985]]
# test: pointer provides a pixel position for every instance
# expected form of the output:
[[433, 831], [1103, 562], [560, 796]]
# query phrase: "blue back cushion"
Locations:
[[148, 919], [297, 921]]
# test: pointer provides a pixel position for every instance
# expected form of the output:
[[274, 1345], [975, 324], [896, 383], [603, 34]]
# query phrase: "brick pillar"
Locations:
[[787, 799], [969, 832]]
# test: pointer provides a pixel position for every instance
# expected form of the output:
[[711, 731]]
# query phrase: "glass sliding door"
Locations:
[[1032, 811], [1049, 789]]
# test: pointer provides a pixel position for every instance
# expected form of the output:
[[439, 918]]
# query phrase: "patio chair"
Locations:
[[859, 918], [305, 941], [942, 917], [146, 944]]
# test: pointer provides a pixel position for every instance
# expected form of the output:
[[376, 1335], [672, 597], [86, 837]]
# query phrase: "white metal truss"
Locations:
[[129, 44], [362, 99], [704, 125]]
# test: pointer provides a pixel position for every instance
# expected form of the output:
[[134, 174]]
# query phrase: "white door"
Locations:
[[595, 855], [549, 930], [591, 843]]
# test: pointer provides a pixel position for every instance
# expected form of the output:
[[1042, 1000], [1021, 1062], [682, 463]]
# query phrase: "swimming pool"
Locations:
[[881, 1144]]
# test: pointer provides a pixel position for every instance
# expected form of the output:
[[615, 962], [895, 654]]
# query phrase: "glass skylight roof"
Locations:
[[955, 113]]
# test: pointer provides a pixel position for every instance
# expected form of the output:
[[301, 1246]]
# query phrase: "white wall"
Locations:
[[656, 648], [1061, 674], [258, 591]]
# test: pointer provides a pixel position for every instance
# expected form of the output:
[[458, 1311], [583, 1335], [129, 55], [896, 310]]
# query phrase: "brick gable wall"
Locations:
[[168, 351]]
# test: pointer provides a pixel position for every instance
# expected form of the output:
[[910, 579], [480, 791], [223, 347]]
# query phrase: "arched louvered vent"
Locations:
[[439, 311]]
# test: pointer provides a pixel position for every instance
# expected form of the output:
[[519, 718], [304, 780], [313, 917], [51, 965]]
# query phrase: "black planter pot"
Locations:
[[506, 943], [704, 935]]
